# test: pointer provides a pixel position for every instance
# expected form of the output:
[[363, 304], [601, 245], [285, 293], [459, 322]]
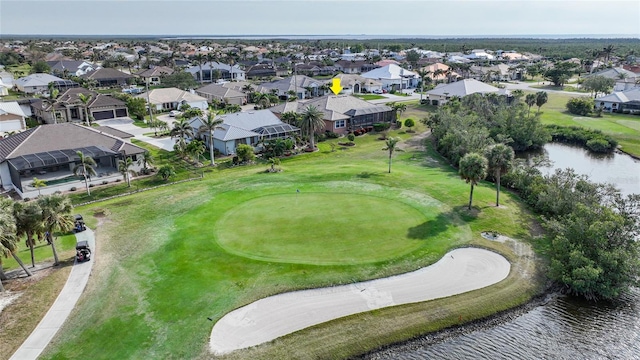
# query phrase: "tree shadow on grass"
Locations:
[[433, 227], [367, 175]]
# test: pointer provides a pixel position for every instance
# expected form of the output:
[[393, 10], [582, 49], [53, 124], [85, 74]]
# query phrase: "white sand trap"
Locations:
[[459, 271]]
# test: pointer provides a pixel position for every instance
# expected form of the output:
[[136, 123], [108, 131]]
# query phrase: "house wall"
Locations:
[[10, 122], [5, 177], [33, 89], [607, 106]]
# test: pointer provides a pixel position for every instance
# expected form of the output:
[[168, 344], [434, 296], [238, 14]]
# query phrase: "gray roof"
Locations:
[[288, 84], [622, 96], [64, 136], [251, 119], [219, 91], [614, 73], [334, 107], [463, 88], [106, 73], [156, 71], [206, 67], [39, 79], [113, 131]]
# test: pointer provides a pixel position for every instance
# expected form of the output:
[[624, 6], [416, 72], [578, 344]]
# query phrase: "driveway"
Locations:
[[459, 271], [126, 125], [528, 87]]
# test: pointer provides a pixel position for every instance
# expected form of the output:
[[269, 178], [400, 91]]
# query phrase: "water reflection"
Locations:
[[621, 170]]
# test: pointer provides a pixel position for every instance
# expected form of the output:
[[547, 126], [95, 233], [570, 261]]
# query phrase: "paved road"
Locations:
[[459, 271], [126, 125], [61, 308], [527, 87]]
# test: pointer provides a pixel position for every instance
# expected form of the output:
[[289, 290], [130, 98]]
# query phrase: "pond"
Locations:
[[619, 169]]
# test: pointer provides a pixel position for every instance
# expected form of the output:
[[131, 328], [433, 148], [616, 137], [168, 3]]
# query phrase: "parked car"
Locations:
[[174, 113], [377, 91]]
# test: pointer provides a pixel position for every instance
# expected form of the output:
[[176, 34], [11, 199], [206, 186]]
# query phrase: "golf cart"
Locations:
[[83, 251], [79, 225]]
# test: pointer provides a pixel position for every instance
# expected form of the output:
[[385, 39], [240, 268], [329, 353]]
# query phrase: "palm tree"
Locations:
[[38, 183], [56, 216], [530, 100], [165, 172], [146, 159], [209, 125], [391, 147], [8, 238], [541, 99], [291, 117], [85, 168], [124, 167], [85, 101], [181, 131], [312, 121], [210, 57], [28, 220], [397, 108], [473, 168], [195, 148], [500, 160], [199, 59], [51, 101], [423, 74]]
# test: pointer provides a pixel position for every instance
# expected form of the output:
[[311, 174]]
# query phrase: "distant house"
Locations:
[[302, 85], [625, 79], [70, 67], [443, 92], [261, 71], [393, 77], [39, 83], [154, 75], [12, 118], [46, 152], [212, 71], [69, 108], [245, 128], [108, 77], [342, 113], [356, 84], [218, 92], [620, 101], [172, 98], [354, 66]]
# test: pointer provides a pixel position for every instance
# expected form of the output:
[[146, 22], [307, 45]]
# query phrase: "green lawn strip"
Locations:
[[164, 273], [369, 96], [65, 245], [18, 320]]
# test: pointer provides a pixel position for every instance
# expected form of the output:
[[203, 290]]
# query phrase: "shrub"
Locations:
[[409, 123], [351, 137], [73, 188], [580, 106], [245, 153], [593, 140], [399, 124], [118, 180], [599, 145], [26, 199], [381, 126], [91, 185], [332, 135]]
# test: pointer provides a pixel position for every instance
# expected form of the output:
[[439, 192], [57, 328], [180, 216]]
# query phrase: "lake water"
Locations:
[[619, 169], [564, 327]]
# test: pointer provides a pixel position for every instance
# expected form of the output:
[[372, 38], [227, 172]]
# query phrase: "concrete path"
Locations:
[[459, 271], [528, 87], [61, 308], [127, 125]]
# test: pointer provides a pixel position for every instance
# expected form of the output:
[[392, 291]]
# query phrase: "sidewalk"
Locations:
[[61, 308]]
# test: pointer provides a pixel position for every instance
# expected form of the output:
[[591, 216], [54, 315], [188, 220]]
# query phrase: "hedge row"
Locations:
[[593, 140]]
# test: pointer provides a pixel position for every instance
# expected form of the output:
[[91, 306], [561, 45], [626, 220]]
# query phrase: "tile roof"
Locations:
[[463, 88], [622, 96], [61, 137], [170, 95], [39, 79], [156, 71], [334, 107], [11, 107], [219, 91], [106, 73]]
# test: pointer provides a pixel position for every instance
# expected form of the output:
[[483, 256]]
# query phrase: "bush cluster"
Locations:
[[580, 106], [378, 127], [593, 140]]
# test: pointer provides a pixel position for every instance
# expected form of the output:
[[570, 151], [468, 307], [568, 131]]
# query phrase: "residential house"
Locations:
[[69, 108], [356, 84], [303, 86], [108, 77], [354, 66], [217, 92], [49, 152], [393, 77], [212, 71], [172, 98], [70, 67], [261, 71], [154, 75], [443, 92], [620, 101], [249, 128], [12, 118], [624, 78], [39, 83], [4, 88], [342, 113], [439, 72], [480, 54]]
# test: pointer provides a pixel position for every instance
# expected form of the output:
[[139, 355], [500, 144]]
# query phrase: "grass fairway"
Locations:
[[325, 228], [161, 271]]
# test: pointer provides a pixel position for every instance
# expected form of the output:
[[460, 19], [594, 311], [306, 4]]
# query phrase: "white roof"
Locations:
[[463, 88], [39, 79], [622, 96], [251, 119], [11, 107], [170, 95], [390, 72]]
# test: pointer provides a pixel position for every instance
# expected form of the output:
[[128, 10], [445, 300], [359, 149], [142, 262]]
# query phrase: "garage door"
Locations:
[[101, 115], [121, 112], [10, 125]]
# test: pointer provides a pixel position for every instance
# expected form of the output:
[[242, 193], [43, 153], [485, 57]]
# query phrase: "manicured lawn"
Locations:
[[161, 269], [369, 96], [65, 245]]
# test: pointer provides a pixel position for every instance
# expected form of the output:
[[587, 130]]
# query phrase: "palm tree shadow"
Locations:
[[367, 175], [433, 227]]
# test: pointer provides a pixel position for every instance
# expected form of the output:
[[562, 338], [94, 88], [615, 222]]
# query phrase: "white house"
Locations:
[[356, 84], [619, 100], [393, 77], [224, 71], [12, 118], [172, 98], [37, 83], [443, 92]]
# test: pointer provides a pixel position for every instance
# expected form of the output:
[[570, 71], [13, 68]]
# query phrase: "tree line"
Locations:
[[592, 229]]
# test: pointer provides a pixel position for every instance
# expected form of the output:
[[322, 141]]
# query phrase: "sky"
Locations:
[[320, 17]]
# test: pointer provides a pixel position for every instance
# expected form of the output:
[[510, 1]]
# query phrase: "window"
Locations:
[[340, 124]]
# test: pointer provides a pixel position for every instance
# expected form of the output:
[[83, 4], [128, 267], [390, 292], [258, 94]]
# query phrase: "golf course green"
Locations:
[[321, 228]]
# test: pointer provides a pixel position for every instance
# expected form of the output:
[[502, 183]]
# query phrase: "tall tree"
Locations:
[[530, 100], [84, 99], [85, 168], [311, 122], [391, 146], [56, 216], [28, 218], [200, 59], [146, 159], [209, 125], [124, 167], [541, 99], [181, 131], [500, 160], [473, 168], [8, 238]]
